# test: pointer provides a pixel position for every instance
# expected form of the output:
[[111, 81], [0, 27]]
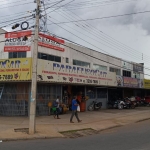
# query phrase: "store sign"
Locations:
[[137, 68], [130, 82], [126, 65], [51, 42], [57, 72], [15, 41], [15, 69], [146, 83]]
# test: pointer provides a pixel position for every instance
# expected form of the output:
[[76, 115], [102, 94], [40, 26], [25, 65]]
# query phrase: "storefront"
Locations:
[[14, 99], [15, 77]]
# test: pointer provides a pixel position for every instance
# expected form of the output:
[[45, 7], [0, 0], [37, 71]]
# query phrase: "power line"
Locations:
[[15, 19], [116, 48], [16, 5], [12, 2], [99, 58], [100, 5], [106, 36], [103, 17], [106, 40], [60, 6], [55, 4], [15, 22], [87, 41], [86, 3]]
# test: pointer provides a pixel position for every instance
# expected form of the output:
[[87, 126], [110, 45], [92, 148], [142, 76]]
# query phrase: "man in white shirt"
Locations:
[[57, 108]]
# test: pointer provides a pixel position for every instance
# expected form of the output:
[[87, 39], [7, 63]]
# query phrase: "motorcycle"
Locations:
[[95, 106], [126, 104], [113, 104]]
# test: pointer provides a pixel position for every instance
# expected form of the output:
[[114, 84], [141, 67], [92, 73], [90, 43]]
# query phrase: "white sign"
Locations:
[[64, 73]]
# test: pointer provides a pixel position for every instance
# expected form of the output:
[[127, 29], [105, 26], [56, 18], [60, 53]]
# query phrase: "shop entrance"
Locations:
[[68, 91]]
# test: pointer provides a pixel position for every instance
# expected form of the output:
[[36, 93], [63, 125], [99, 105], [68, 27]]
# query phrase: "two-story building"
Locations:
[[64, 69]]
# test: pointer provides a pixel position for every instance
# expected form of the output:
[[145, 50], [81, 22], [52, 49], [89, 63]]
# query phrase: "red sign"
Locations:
[[14, 41], [130, 82], [51, 42]]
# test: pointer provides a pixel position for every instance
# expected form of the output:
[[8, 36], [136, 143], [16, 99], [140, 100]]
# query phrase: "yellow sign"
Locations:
[[15, 69], [146, 83]]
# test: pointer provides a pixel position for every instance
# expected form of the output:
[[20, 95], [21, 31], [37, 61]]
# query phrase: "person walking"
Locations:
[[57, 102], [74, 110]]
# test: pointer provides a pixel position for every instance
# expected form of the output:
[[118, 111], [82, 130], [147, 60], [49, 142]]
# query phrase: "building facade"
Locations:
[[64, 69]]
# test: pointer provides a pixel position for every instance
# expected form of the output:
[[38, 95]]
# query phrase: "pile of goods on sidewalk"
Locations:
[[128, 103]]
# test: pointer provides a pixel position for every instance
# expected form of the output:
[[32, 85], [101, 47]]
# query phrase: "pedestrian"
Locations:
[[56, 104], [74, 110]]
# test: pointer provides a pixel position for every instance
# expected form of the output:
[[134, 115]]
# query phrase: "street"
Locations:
[[130, 137]]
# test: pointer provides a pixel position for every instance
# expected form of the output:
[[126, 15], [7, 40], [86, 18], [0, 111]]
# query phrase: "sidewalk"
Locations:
[[48, 127]]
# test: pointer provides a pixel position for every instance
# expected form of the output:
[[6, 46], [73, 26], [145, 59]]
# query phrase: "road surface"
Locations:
[[130, 137]]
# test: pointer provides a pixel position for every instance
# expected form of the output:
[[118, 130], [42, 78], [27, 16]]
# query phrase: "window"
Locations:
[[17, 54], [99, 67], [44, 56], [136, 75], [126, 73], [67, 60], [49, 57], [81, 63], [91, 92], [115, 70]]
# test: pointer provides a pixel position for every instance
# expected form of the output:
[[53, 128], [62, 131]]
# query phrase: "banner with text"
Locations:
[[57, 72], [18, 41], [51, 42], [146, 83], [15, 69], [132, 82]]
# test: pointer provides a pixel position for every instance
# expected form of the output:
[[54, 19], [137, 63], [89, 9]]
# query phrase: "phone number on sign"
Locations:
[[6, 77]]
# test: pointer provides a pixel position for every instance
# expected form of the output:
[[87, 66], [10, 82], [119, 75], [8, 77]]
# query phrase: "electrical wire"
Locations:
[[97, 5], [15, 22], [60, 6], [15, 19], [125, 53], [16, 5], [55, 4], [104, 35], [99, 58], [12, 2], [88, 42], [106, 17], [110, 42]]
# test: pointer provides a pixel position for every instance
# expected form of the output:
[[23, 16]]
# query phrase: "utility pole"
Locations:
[[32, 122]]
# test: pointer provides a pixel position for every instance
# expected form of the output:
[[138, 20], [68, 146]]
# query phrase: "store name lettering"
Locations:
[[78, 70]]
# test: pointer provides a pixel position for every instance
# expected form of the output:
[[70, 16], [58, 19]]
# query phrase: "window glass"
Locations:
[[115, 70], [39, 55], [126, 73], [10, 55], [44, 56], [99, 67], [57, 59], [17, 55], [67, 60], [81, 63], [51, 58], [136, 75]]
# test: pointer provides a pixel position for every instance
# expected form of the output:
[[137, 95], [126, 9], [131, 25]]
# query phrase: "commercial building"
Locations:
[[64, 69]]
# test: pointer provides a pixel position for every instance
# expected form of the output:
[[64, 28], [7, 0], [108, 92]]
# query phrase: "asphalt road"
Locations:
[[130, 137]]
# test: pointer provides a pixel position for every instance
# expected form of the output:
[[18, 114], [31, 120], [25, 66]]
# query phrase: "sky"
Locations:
[[126, 37]]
